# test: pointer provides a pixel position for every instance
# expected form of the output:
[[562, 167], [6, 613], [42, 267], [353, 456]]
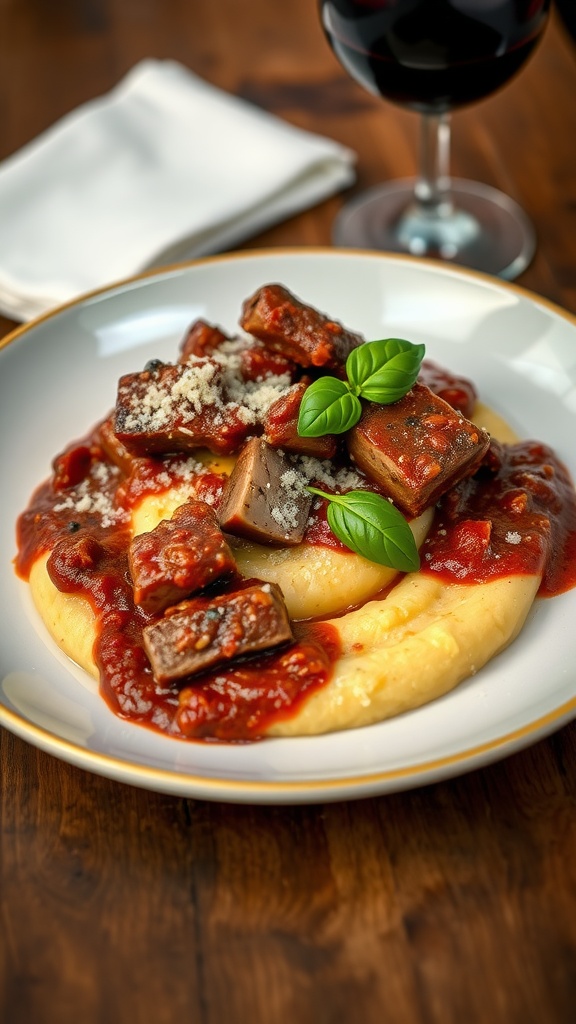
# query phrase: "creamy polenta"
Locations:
[[397, 652], [291, 531]]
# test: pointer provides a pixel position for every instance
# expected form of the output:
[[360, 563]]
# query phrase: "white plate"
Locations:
[[58, 376]]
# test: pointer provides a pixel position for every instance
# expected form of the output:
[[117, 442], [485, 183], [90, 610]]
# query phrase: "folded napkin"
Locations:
[[163, 167]]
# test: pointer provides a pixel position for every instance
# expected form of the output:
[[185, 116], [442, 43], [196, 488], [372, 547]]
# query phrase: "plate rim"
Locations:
[[248, 790], [297, 250], [204, 786]]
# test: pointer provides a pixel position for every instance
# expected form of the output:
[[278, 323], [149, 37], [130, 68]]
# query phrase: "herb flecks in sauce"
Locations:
[[516, 515]]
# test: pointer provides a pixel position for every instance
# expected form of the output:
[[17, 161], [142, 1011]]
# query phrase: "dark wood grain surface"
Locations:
[[451, 904]]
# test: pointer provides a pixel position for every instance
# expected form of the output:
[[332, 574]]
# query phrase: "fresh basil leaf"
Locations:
[[328, 407], [384, 371], [372, 527]]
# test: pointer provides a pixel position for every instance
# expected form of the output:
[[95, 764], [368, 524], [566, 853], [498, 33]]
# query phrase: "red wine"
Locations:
[[433, 55], [567, 9]]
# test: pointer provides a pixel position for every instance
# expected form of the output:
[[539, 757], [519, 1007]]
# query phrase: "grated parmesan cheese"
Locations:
[[305, 469], [513, 537], [202, 383], [89, 499]]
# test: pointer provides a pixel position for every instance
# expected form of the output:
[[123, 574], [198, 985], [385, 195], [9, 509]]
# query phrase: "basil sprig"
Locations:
[[384, 371], [369, 525], [328, 407], [379, 371]]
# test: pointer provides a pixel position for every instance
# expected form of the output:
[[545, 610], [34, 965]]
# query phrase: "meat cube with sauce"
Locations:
[[72, 466], [180, 556], [201, 339], [300, 332], [113, 448], [416, 448], [258, 363], [177, 409], [203, 632], [281, 427], [262, 500], [255, 361]]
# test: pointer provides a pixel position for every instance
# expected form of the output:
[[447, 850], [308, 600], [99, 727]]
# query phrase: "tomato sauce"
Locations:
[[517, 515], [89, 556]]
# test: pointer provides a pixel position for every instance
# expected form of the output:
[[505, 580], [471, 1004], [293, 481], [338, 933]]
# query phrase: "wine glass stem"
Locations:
[[432, 190]]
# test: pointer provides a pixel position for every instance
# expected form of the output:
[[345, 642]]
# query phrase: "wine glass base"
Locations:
[[483, 229]]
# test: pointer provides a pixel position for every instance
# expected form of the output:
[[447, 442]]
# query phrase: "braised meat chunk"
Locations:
[[258, 362], [202, 632], [300, 332], [178, 409], [255, 361], [416, 448], [201, 339], [72, 466], [113, 448], [262, 500], [281, 427], [178, 557]]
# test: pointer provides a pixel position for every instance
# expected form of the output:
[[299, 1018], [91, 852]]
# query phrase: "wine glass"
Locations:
[[432, 56], [567, 11]]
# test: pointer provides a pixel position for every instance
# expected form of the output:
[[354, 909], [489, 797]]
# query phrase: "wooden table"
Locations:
[[452, 904]]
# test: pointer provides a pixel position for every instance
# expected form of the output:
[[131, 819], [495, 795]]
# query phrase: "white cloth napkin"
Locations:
[[163, 167]]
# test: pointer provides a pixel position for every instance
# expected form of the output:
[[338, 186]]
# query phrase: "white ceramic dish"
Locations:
[[58, 376]]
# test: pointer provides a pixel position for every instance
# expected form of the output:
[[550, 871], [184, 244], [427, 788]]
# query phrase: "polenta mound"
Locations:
[[215, 605]]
